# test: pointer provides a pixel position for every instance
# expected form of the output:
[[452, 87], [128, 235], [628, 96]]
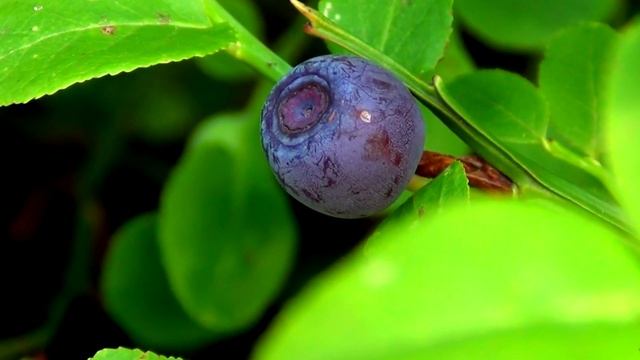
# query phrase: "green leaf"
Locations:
[[137, 294], [47, 46], [226, 233], [128, 354], [510, 279], [511, 113], [222, 65], [623, 120], [448, 188], [527, 25], [572, 78], [412, 33]]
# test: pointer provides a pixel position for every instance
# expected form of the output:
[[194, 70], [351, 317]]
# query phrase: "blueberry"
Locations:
[[342, 135]]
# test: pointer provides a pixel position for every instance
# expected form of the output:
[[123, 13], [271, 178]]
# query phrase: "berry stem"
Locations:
[[481, 175]]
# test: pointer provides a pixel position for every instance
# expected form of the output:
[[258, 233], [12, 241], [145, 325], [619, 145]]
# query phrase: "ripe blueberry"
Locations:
[[342, 135]]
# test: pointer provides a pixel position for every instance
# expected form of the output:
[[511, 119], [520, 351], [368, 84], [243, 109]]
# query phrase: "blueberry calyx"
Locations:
[[302, 108]]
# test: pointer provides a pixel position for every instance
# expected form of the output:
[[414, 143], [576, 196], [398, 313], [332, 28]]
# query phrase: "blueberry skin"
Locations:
[[342, 135]]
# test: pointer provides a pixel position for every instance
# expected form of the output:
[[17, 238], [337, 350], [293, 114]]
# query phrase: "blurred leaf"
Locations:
[[226, 233], [223, 66], [163, 108], [448, 188], [412, 33], [456, 61], [527, 25], [572, 77], [511, 113], [128, 354], [623, 115], [137, 294], [47, 46], [511, 279]]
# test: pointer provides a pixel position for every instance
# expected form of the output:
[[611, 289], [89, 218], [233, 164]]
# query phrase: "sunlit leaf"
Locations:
[[500, 279], [412, 33], [624, 121], [511, 112], [48, 45], [572, 78]]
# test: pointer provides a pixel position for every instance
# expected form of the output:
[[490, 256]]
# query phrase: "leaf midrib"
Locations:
[[180, 25]]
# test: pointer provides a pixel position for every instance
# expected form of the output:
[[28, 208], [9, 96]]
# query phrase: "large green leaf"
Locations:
[[511, 113], [226, 233], [48, 45], [528, 25], [572, 78], [624, 121], [412, 33], [137, 295], [504, 280], [129, 354]]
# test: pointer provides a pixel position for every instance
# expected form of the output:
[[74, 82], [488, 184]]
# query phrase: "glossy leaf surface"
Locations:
[[46, 46], [393, 27]]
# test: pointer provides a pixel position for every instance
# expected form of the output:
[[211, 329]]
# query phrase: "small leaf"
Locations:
[[137, 294], [226, 233], [511, 113], [572, 78], [47, 46], [623, 120], [450, 187], [413, 33], [129, 354], [512, 279], [527, 25]]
